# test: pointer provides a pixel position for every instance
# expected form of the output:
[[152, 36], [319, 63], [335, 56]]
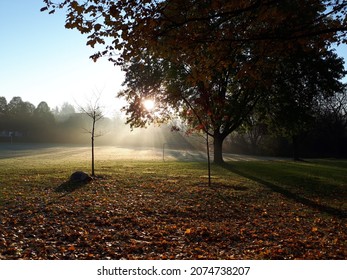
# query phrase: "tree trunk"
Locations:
[[93, 131], [218, 148], [93, 172], [208, 160], [295, 141]]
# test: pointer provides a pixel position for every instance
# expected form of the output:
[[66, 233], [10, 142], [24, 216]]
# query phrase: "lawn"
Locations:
[[150, 209]]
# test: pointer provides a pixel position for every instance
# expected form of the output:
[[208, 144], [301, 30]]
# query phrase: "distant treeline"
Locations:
[[325, 136], [21, 121], [322, 133]]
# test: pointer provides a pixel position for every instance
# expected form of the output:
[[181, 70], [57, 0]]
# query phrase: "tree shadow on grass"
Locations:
[[65, 189], [220, 186], [288, 194], [69, 187], [187, 155]]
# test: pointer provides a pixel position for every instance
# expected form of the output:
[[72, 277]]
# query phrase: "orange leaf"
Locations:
[[72, 248]]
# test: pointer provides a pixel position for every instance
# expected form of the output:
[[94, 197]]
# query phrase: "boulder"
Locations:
[[80, 177]]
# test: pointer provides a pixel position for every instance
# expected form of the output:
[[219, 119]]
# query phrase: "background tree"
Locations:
[[44, 116], [298, 81], [44, 122], [67, 109], [330, 129], [20, 115], [16, 106], [3, 105], [3, 113], [252, 131]]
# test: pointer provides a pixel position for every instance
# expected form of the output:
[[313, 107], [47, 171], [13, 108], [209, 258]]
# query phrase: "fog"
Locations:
[[25, 127], [21, 124]]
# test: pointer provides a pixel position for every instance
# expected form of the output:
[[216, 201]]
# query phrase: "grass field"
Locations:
[[150, 209]]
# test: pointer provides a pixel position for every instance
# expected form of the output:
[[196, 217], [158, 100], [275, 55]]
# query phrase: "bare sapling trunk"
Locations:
[[208, 161], [94, 112], [92, 137]]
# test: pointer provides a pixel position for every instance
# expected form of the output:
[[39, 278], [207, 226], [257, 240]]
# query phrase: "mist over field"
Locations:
[[21, 123]]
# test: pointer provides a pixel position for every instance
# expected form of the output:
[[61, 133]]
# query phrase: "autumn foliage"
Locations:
[[218, 59], [164, 211]]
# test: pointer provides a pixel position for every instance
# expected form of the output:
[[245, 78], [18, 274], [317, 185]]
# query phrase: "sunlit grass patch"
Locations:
[[325, 183], [165, 210]]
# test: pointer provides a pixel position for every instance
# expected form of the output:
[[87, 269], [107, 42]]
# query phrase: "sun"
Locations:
[[149, 104]]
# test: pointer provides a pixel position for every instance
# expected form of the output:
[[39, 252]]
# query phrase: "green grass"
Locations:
[[165, 210], [324, 181]]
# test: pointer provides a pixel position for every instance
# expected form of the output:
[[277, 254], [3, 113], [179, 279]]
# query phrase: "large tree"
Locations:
[[224, 101], [185, 27], [216, 106], [210, 61]]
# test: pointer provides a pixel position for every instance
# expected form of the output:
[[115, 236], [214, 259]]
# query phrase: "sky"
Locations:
[[40, 60]]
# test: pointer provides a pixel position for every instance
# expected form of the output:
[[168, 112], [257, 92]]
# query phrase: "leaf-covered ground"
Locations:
[[154, 210]]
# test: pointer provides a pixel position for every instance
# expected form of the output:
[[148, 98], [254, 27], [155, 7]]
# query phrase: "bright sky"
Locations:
[[40, 60]]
